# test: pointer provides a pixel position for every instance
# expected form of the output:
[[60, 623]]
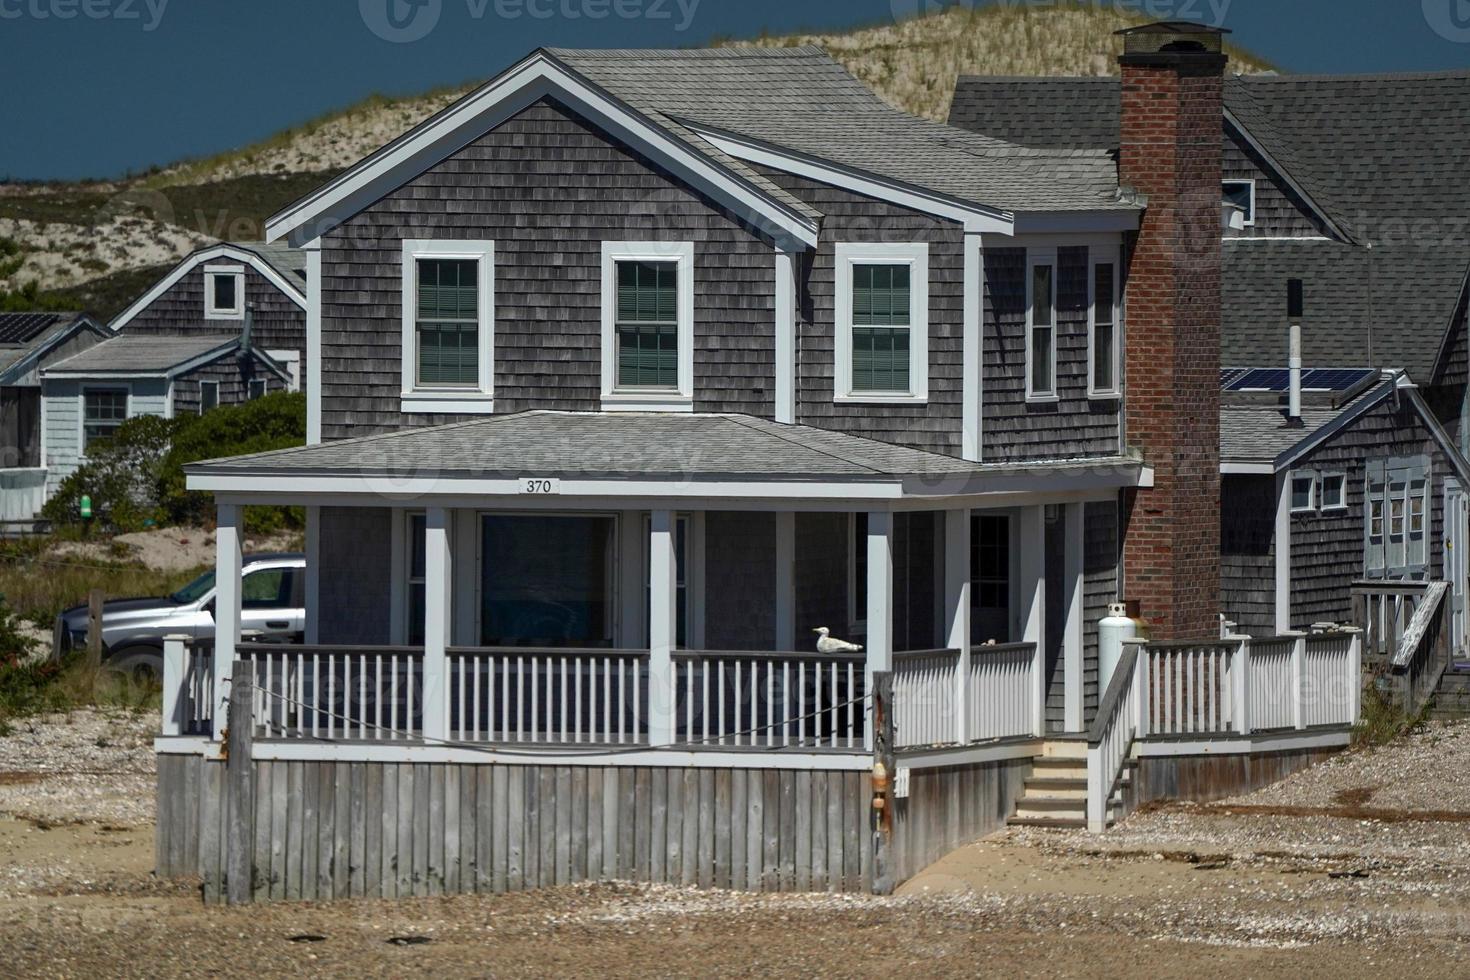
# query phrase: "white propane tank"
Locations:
[[1114, 628]]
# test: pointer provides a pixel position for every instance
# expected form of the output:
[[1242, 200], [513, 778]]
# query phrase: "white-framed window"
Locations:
[[1396, 517], [648, 326], [882, 323], [1041, 325], [1104, 334], [104, 410], [224, 292], [208, 395], [1304, 492], [448, 326], [1334, 491], [256, 388], [1241, 194]]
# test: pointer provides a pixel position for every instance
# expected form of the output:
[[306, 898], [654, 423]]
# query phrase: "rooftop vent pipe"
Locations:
[[1294, 307]]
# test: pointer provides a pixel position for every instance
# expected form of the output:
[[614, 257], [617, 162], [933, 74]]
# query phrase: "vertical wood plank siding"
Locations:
[[337, 830], [548, 188], [1015, 430], [1327, 548], [279, 324], [1247, 553]]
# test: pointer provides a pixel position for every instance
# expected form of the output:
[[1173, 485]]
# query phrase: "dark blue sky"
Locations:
[[98, 87]]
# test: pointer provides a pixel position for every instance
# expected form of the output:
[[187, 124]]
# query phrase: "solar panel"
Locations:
[[17, 328], [1279, 379]]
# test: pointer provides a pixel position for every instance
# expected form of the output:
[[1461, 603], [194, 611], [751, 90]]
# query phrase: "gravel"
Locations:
[[87, 765]]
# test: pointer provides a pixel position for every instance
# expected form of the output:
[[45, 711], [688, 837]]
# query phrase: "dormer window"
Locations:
[[224, 292], [648, 326], [1241, 195], [448, 326], [882, 314]]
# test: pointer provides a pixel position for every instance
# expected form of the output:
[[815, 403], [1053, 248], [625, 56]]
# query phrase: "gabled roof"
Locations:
[[684, 453], [670, 105], [283, 266], [153, 356], [25, 338]]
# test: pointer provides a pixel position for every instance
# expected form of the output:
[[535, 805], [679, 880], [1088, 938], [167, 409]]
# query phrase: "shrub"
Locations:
[[137, 477]]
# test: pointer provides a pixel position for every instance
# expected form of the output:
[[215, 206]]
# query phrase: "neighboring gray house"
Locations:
[[210, 289], [85, 397], [29, 342]]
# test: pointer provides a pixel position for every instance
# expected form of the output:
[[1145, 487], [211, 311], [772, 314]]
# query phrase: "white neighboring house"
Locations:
[[28, 342], [86, 397]]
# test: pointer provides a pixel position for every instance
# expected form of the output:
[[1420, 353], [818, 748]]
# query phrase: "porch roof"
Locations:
[[658, 450]]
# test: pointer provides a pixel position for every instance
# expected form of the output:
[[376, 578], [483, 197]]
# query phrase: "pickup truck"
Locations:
[[273, 607]]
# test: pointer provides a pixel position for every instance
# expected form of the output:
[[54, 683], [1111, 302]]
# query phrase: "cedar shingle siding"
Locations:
[[1280, 211], [548, 188], [278, 323], [1327, 549], [234, 383]]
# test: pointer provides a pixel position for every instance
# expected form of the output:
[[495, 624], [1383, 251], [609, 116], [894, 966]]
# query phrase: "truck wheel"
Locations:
[[142, 665]]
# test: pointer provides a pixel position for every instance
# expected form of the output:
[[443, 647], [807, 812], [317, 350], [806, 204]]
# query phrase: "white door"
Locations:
[[1457, 555]]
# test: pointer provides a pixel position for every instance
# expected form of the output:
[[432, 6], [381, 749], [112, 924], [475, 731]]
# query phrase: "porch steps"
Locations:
[[1055, 792]]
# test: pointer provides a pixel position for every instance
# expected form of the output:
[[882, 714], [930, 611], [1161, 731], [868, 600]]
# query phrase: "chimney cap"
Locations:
[[1173, 27], [1172, 39]]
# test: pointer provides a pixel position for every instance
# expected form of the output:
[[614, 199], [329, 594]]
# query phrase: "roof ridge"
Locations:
[[747, 420]]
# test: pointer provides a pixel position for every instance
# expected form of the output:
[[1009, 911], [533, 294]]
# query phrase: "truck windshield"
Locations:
[[195, 589]]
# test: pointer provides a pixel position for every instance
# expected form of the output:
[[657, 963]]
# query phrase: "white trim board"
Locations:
[[289, 290], [536, 77], [212, 309], [184, 367]]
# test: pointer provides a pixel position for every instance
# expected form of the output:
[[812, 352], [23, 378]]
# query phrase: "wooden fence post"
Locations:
[[240, 781], [174, 663], [884, 772], [95, 598]]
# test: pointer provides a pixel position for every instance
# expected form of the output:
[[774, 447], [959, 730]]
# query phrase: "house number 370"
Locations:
[[540, 485]]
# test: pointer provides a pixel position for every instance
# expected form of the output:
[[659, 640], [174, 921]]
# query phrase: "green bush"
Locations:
[[137, 477]]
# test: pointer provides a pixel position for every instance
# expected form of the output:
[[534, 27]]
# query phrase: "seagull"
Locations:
[[830, 644]]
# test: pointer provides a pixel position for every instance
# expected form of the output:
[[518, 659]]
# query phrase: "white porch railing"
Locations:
[[548, 696], [188, 686], [996, 687], [1219, 688], [769, 700], [336, 692]]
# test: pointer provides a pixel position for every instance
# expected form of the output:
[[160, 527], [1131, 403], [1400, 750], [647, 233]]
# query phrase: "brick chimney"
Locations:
[[1171, 151]]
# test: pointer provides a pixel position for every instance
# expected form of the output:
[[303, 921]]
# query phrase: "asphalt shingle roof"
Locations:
[[289, 262], [801, 99], [21, 333], [1257, 433], [141, 353], [610, 445]]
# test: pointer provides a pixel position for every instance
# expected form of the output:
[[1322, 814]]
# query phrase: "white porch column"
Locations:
[[1072, 639], [786, 335], [663, 602], [957, 611], [313, 379], [785, 580], [1281, 548], [438, 619], [880, 602], [227, 569], [972, 425], [1033, 605]]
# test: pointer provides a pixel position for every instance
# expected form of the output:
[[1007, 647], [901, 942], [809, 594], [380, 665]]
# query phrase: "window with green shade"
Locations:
[[647, 324], [448, 323], [881, 322]]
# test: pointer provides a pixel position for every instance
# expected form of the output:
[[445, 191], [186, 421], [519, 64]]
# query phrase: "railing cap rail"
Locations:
[[938, 652], [1214, 641], [1002, 648], [790, 655], [1117, 688], [1386, 587], [542, 651], [304, 648]]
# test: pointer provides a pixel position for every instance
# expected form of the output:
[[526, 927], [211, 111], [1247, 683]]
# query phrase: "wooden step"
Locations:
[[1055, 788], [1065, 748], [1059, 767], [1059, 823], [1043, 808]]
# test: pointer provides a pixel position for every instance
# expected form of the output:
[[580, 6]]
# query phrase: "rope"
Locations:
[[498, 750]]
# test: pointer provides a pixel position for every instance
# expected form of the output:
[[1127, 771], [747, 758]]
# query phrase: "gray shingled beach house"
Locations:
[[630, 370]]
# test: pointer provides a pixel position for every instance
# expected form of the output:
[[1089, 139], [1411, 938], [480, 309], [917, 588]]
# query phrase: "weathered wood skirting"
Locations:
[[325, 830], [1205, 778]]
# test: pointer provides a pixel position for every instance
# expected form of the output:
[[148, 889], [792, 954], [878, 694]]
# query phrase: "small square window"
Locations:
[[257, 388], [1303, 494], [1334, 491], [1241, 194], [224, 292]]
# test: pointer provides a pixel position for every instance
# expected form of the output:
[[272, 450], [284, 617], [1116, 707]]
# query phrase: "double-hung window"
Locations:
[[1041, 325], [448, 326], [104, 410], [1104, 350], [224, 292], [882, 312], [648, 326]]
